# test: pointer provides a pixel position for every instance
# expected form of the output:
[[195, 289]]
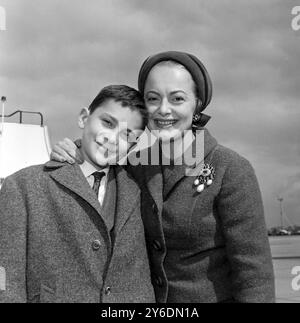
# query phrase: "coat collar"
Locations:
[[128, 194], [71, 177], [154, 182], [159, 188]]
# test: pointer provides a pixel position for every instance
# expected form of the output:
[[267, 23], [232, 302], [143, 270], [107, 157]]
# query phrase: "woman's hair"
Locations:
[[127, 96]]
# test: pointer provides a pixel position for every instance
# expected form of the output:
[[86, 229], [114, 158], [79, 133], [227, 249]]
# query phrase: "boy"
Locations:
[[71, 233]]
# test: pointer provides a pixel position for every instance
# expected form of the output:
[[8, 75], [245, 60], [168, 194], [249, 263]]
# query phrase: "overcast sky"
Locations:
[[57, 54]]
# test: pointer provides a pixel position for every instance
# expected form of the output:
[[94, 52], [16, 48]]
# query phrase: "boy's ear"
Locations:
[[83, 116]]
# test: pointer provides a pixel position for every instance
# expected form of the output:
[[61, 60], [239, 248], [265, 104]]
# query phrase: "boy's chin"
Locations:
[[105, 162]]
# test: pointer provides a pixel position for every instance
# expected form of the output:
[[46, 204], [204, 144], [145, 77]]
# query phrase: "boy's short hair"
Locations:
[[128, 96]]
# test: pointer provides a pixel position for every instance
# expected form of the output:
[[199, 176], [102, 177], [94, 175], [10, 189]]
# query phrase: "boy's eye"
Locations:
[[107, 123]]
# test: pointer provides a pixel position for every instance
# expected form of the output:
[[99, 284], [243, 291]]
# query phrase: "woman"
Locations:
[[206, 234]]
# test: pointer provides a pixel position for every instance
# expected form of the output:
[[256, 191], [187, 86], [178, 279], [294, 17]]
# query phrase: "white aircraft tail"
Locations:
[[22, 145]]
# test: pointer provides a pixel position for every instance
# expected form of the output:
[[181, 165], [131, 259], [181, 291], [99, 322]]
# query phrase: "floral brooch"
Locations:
[[205, 178]]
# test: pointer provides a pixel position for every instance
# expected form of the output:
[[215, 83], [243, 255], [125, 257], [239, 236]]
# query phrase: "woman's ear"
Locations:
[[83, 116], [198, 105]]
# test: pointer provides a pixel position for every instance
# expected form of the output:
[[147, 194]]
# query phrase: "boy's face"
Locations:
[[108, 132]]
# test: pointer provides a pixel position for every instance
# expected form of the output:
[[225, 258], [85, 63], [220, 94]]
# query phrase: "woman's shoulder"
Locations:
[[221, 155], [229, 155], [231, 161]]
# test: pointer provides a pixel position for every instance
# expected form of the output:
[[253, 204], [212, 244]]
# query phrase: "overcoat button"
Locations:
[[96, 244], [107, 291], [156, 245]]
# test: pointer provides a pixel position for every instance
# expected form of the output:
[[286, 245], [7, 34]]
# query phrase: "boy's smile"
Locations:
[[106, 132]]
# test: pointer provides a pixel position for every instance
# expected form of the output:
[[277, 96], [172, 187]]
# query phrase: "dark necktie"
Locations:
[[97, 176]]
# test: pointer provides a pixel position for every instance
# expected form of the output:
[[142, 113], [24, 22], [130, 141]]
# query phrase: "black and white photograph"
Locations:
[[150, 153]]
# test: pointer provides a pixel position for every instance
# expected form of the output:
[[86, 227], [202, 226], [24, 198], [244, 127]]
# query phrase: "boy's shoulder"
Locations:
[[32, 175], [29, 172]]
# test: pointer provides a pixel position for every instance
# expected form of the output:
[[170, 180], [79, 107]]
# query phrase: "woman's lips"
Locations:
[[161, 123]]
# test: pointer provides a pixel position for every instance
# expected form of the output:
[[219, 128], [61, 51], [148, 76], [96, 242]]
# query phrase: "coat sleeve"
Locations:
[[242, 215], [12, 243]]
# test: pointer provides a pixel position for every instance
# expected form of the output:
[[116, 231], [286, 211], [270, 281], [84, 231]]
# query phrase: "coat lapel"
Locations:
[[154, 182], [128, 194], [149, 176], [175, 173], [72, 178], [171, 176], [152, 173]]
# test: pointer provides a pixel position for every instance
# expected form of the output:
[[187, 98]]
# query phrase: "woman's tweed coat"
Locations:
[[212, 246]]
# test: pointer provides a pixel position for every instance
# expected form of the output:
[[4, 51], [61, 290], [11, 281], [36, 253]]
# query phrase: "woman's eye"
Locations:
[[178, 99], [152, 99]]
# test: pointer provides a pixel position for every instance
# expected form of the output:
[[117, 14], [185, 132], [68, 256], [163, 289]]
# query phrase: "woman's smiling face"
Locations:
[[170, 100]]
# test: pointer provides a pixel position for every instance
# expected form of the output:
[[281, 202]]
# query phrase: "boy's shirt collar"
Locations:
[[88, 169]]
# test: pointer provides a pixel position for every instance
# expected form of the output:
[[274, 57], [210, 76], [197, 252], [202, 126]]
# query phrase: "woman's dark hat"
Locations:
[[196, 69]]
